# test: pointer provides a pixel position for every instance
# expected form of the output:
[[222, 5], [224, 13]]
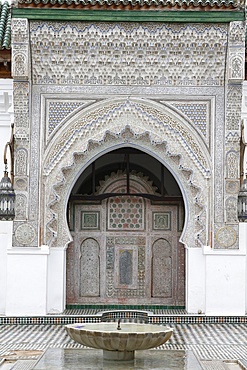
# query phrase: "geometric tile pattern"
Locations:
[[207, 341], [91, 314], [126, 213]]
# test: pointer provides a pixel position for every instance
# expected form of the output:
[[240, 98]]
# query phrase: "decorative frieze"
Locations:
[[20, 30], [20, 49], [128, 54], [25, 234], [233, 112], [21, 93], [236, 51], [235, 66]]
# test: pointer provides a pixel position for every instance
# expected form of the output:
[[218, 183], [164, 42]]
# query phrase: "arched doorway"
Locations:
[[126, 216]]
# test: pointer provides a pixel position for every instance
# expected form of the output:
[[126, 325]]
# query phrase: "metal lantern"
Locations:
[[7, 194], [242, 202], [7, 199]]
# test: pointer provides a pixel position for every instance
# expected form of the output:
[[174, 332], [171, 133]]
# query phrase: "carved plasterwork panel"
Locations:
[[198, 113], [156, 131], [19, 30], [21, 207], [21, 157], [20, 49], [233, 113], [226, 237], [89, 268], [236, 51], [168, 60], [25, 234], [21, 100], [60, 110], [231, 209], [128, 53], [232, 186], [162, 269], [114, 113]]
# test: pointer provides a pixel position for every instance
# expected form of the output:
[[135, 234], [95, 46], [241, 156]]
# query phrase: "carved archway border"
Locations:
[[193, 181]]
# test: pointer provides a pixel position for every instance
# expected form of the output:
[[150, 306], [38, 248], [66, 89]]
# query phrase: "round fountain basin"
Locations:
[[119, 344]]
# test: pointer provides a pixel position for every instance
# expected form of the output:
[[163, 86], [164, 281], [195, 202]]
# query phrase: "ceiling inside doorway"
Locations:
[[127, 160]]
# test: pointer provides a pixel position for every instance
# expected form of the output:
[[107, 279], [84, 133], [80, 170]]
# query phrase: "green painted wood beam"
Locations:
[[55, 14]]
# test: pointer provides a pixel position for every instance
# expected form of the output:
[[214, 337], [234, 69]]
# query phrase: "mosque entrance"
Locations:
[[126, 215]]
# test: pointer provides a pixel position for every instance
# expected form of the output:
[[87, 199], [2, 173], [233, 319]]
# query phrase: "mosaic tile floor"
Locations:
[[21, 345]]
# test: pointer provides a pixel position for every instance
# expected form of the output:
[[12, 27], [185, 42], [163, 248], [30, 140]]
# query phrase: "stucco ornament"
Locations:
[[226, 236], [138, 123], [25, 234]]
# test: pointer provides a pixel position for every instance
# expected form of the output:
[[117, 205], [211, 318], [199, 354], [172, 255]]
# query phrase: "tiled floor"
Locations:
[[211, 343]]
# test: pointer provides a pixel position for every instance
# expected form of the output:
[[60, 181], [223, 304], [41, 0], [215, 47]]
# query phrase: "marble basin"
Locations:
[[119, 342]]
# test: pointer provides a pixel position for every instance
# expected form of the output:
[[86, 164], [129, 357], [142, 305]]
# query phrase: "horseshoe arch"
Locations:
[[146, 125]]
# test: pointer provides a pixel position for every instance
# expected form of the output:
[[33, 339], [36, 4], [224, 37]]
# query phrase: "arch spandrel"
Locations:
[[142, 124]]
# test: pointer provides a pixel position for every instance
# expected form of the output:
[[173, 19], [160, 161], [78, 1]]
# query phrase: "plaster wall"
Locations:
[[56, 280], [225, 281], [5, 244], [195, 280], [27, 281], [6, 227]]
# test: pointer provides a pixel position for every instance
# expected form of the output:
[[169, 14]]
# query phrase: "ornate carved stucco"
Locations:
[[82, 53], [119, 122], [187, 135]]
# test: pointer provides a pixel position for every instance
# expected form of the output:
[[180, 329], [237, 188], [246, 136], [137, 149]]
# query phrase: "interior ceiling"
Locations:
[[127, 159]]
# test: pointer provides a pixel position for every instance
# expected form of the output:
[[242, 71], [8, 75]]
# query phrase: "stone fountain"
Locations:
[[119, 341]]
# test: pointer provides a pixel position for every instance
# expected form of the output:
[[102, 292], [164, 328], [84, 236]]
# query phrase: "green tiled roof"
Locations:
[[147, 3], [5, 25]]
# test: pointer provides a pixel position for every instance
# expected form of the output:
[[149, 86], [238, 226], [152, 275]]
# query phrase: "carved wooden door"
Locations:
[[126, 251]]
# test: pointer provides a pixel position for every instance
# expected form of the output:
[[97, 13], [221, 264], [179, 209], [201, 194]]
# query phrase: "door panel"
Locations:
[[126, 249]]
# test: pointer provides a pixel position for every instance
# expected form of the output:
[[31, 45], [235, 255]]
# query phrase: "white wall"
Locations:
[[195, 280], [35, 281], [226, 280], [56, 294], [5, 243], [6, 118], [216, 279], [27, 281], [35, 284]]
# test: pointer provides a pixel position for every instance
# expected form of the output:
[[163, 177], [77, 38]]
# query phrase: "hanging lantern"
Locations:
[[7, 194], [242, 202], [7, 199]]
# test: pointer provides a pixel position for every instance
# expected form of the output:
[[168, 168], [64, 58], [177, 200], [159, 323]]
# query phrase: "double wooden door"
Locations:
[[126, 250]]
